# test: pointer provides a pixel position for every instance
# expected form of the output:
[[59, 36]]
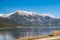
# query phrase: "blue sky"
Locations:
[[38, 6]]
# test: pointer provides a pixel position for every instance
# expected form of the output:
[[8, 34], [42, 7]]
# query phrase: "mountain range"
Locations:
[[24, 18]]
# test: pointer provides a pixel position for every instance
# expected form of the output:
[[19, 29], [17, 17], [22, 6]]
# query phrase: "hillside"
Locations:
[[24, 18]]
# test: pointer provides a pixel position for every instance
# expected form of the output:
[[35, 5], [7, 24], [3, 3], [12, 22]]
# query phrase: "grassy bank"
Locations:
[[33, 37]]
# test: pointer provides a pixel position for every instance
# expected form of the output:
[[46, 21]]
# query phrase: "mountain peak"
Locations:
[[21, 12]]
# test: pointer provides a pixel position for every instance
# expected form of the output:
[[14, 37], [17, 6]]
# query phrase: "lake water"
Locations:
[[14, 33]]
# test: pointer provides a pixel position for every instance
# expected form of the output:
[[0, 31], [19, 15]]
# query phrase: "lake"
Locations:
[[14, 33]]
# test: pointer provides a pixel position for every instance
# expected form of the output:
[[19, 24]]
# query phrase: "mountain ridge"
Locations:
[[32, 19], [27, 13]]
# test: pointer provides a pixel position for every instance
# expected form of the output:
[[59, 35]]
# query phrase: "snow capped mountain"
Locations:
[[20, 12], [30, 18]]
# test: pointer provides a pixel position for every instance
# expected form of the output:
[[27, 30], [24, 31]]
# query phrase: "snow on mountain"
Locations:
[[48, 15], [20, 12], [3, 15]]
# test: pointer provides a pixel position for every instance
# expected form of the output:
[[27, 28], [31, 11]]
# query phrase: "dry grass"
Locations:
[[56, 33], [34, 37], [57, 39]]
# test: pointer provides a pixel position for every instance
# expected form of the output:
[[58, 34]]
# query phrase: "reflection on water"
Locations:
[[6, 36], [13, 33]]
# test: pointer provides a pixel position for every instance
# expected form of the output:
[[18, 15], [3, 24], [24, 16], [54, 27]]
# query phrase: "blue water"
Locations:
[[11, 34], [6, 36]]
